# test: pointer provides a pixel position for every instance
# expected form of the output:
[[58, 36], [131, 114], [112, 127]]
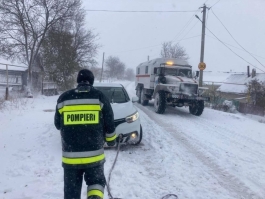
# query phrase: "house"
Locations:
[[235, 86], [16, 76], [214, 79]]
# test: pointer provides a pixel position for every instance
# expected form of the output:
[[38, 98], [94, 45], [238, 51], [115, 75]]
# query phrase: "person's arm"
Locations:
[[108, 118], [57, 118]]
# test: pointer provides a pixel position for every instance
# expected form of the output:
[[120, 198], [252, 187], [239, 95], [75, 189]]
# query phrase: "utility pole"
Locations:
[[148, 58], [102, 67], [202, 65], [7, 84]]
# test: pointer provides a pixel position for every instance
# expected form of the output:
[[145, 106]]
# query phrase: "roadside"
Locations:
[[193, 157]]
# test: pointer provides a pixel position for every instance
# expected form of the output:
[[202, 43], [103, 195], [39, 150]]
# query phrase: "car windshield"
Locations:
[[114, 94]]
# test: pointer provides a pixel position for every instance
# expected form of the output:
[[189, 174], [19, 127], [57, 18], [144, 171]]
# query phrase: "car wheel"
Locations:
[[140, 136]]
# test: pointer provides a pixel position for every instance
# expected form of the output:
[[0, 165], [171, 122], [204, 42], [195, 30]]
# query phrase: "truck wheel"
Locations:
[[197, 108], [160, 102], [144, 101], [138, 93]]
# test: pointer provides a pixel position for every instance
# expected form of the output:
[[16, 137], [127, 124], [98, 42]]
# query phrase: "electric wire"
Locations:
[[189, 31], [236, 40], [232, 50], [234, 46], [143, 11], [184, 28], [215, 4]]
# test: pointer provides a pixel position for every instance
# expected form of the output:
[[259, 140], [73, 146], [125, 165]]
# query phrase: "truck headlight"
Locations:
[[132, 117]]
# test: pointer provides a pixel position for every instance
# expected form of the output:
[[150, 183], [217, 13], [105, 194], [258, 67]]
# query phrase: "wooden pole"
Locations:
[[202, 44], [7, 83], [102, 67]]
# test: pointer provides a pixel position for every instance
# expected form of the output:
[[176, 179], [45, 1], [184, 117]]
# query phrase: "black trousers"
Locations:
[[73, 179]]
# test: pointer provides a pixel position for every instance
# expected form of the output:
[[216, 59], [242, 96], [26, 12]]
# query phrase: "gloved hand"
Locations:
[[112, 143]]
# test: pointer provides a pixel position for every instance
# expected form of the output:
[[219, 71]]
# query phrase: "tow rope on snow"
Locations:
[[113, 165]]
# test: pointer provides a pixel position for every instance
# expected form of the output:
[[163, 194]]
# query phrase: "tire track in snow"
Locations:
[[225, 179]]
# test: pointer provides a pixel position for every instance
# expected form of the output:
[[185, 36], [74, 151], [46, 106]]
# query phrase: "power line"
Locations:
[[232, 50], [143, 11], [189, 30], [235, 47], [215, 4], [236, 40], [183, 29]]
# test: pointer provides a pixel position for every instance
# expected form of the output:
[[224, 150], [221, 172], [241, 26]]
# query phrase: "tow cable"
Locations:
[[113, 165]]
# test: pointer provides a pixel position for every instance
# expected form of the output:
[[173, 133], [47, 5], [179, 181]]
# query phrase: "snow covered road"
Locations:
[[217, 155]]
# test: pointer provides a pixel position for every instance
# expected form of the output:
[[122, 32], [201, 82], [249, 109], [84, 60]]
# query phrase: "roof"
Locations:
[[216, 77], [15, 66], [164, 60], [107, 85], [237, 83]]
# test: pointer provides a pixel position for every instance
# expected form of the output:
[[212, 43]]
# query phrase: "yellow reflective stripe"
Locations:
[[80, 108], [95, 193], [111, 138], [83, 160], [81, 117]]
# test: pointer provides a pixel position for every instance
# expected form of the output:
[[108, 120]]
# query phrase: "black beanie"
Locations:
[[85, 75]]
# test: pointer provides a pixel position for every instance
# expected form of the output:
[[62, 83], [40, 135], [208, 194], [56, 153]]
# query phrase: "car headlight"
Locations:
[[132, 118]]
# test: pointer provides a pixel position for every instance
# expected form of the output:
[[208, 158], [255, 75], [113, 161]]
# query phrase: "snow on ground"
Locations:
[[217, 155]]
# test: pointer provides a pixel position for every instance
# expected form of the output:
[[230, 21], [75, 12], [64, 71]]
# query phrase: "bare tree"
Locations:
[[68, 47], [24, 24], [96, 71], [115, 68], [84, 41], [59, 58], [129, 74], [170, 50]]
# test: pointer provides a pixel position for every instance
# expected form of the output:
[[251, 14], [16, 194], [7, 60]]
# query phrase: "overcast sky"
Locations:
[[134, 36]]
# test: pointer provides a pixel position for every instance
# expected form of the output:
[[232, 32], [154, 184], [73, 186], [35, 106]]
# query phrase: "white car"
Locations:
[[126, 116]]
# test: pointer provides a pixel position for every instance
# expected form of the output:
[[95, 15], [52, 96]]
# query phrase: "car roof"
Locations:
[[107, 85]]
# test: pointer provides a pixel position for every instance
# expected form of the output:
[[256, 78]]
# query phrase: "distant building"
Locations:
[[235, 86], [18, 78], [16, 75]]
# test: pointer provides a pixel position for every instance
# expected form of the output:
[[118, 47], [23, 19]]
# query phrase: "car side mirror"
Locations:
[[135, 99], [197, 73]]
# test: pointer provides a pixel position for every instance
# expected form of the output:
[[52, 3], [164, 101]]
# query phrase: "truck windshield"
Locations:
[[178, 72]]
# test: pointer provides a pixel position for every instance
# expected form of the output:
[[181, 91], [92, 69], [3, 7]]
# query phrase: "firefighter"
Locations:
[[85, 118]]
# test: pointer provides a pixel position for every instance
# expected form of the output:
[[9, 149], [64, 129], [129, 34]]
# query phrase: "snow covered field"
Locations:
[[218, 155]]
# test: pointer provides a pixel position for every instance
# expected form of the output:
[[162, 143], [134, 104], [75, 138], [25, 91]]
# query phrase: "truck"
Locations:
[[169, 82]]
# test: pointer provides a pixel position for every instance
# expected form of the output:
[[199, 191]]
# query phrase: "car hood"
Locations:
[[175, 79], [122, 110]]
